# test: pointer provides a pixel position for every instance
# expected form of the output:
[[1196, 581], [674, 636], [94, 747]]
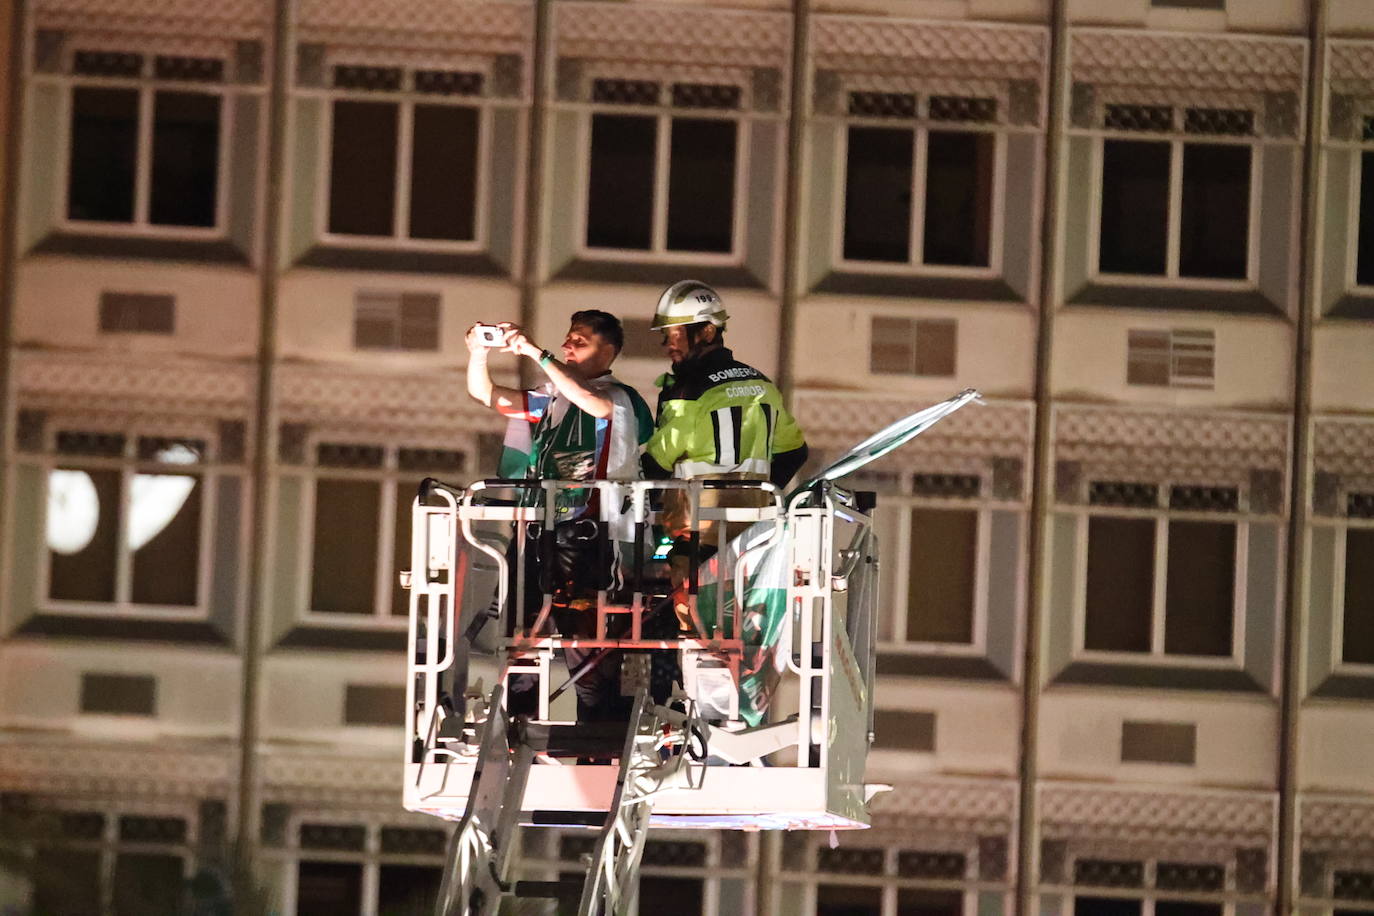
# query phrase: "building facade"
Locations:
[[1127, 646]]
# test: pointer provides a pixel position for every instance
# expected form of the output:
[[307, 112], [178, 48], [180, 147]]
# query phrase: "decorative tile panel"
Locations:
[[122, 387], [969, 441], [1338, 826], [669, 43], [321, 779], [1001, 64], [1130, 66], [1343, 446], [1350, 67], [945, 814], [1180, 826], [164, 772], [431, 408], [453, 35], [1193, 447]]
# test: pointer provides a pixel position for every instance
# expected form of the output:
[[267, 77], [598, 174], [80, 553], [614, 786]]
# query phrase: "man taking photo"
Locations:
[[580, 424]]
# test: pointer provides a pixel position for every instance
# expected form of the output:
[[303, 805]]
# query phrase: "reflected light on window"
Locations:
[[73, 511], [74, 506], [154, 501], [178, 454]]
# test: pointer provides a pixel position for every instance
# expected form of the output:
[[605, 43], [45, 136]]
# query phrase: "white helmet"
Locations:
[[688, 302]]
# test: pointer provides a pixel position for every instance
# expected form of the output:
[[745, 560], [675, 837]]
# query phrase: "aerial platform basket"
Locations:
[[777, 668]]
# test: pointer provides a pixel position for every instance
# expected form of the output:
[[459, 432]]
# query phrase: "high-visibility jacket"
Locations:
[[719, 416]]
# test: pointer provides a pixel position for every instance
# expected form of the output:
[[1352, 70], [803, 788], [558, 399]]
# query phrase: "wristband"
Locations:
[[545, 357]]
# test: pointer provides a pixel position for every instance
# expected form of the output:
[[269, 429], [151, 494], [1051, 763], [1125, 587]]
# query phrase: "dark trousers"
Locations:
[[578, 564]]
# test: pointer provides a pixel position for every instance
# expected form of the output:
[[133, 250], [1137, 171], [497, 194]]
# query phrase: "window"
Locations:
[[868, 881], [681, 873], [1162, 583], [399, 868], [126, 519], [1181, 358], [663, 181], [403, 167], [1176, 208], [361, 531], [138, 864], [922, 194], [145, 149], [905, 346], [941, 536]]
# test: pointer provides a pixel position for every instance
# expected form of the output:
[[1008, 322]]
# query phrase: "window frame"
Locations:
[[405, 102], [109, 846], [1341, 527], [664, 115], [914, 265], [388, 477], [147, 88], [1149, 893], [711, 873], [1174, 240], [371, 859], [129, 466], [1161, 517], [897, 610], [889, 882]]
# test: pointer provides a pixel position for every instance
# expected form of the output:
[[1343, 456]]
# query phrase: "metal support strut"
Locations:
[[664, 750]]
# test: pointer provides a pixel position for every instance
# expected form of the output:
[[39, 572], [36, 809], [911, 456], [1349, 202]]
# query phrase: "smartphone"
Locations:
[[490, 335]]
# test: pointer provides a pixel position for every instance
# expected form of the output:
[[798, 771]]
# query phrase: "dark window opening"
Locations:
[[1215, 220], [848, 900], [620, 195], [941, 583], [362, 186], [147, 883], [104, 155], [701, 185], [65, 880], [1135, 207], [1105, 906], [1200, 595], [407, 890], [185, 158], [443, 173], [1121, 579], [1357, 643], [344, 563], [877, 198], [1364, 259], [671, 896], [958, 205], [920, 901], [166, 564], [328, 888]]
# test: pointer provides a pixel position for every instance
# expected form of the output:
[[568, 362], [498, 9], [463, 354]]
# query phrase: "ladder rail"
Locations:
[[480, 849]]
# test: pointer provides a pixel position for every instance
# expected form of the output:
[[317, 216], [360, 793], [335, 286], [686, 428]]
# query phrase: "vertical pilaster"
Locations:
[[1294, 619], [1041, 463]]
